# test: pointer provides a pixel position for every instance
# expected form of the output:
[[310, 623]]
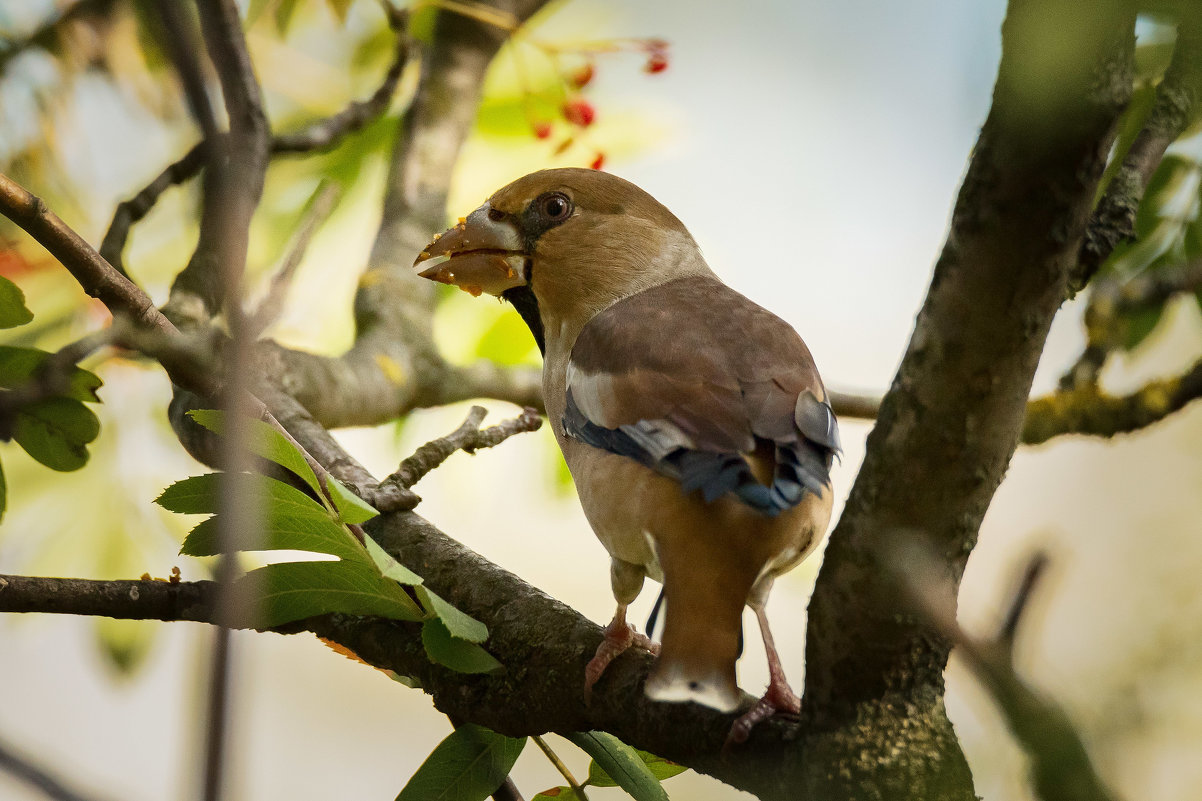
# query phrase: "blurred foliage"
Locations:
[[1168, 227]]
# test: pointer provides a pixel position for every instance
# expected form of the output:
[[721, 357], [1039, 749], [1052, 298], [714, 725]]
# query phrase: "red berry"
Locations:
[[582, 77], [579, 112], [598, 162], [658, 62], [542, 130]]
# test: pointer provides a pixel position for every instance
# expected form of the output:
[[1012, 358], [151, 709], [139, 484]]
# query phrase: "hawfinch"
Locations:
[[693, 421]]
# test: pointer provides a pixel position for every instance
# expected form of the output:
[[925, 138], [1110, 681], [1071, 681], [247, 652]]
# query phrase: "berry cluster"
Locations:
[[574, 109]]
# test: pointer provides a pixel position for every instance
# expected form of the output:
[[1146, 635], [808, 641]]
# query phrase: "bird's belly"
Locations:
[[617, 496], [633, 510]]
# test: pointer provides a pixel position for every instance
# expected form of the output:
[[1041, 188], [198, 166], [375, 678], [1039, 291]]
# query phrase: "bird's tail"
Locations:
[[702, 628]]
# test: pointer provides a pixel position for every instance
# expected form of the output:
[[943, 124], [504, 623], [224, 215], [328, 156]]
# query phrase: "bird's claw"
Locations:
[[777, 700], [619, 637]]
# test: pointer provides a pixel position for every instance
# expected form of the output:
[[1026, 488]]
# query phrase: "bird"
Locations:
[[694, 422]]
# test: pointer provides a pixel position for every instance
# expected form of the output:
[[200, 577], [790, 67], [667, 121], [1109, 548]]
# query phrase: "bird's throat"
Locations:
[[522, 299]]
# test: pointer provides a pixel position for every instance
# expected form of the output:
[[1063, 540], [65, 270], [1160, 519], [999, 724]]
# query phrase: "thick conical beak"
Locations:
[[479, 254]]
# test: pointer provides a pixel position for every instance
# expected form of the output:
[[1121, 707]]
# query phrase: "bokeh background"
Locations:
[[814, 149]]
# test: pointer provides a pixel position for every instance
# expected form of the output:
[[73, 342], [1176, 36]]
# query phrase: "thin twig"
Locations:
[[559, 766], [469, 437], [272, 304], [317, 136], [1036, 569]]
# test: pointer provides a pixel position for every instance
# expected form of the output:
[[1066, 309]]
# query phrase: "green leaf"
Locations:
[[468, 765], [558, 794], [660, 768], [13, 311], [195, 495], [452, 652], [278, 594], [56, 431], [621, 763], [390, 567], [266, 443], [19, 365], [459, 624], [350, 507], [292, 520]]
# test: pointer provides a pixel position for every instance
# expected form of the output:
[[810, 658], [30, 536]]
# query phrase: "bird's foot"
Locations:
[[778, 699], [619, 636]]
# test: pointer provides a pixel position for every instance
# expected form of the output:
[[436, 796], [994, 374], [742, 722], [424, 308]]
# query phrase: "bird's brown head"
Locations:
[[563, 244]]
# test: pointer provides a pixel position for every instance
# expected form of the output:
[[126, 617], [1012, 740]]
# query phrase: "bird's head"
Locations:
[[562, 245]]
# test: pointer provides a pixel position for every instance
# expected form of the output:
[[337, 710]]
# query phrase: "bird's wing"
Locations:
[[700, 384]]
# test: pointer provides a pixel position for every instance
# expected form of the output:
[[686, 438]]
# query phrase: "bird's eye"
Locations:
[[555, 207]]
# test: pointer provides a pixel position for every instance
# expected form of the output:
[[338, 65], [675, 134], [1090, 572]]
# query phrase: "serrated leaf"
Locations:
[[350, 507], [194, 495], [620, 763], [282, 593], [13, 311], [291, 519], [19, 365], [266, 443], [56, 432], [390, 567], [459, 655], [459, 624], [469, 765]]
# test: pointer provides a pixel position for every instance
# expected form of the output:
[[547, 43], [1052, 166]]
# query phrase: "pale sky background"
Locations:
[[814, 150]]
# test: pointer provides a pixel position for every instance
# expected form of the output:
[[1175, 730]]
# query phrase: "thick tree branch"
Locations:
[[543, 644], [394, 364], [960, 394], [1061, 769]]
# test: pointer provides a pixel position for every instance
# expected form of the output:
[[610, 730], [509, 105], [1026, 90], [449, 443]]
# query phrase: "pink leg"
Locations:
[[619, 635], [777, 698]]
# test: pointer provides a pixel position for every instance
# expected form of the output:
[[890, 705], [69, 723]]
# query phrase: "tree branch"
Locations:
[[960, 394], [1090, 410], [94, 274], [320, 135], [394, 365], [1060, 765], [1176, 105]]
